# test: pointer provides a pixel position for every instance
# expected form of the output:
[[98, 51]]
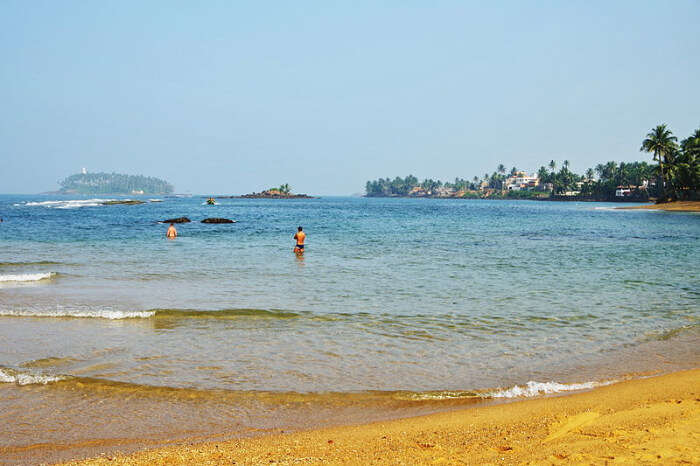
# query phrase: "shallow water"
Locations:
[[391, 294]]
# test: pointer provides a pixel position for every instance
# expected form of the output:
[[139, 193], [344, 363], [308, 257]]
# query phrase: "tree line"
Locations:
[[675, 175], [114, 183]]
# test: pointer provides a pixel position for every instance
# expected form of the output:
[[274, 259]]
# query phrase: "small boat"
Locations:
[[211, 201]]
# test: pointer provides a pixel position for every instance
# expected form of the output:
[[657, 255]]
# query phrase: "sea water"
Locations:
[[423, 298]]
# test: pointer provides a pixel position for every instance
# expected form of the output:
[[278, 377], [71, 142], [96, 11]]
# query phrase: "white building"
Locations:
[[521, 180]]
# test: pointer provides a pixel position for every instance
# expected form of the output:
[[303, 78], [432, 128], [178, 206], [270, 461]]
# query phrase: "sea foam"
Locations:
[[533, 388], [97, 313], [69, 204], [27, 378], [27, 277]]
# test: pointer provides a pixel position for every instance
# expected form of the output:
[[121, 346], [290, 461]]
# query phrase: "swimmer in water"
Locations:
[[300, 236], [172, 232]]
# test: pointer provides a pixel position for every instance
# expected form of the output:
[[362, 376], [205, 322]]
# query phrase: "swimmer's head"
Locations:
[[299, 229]]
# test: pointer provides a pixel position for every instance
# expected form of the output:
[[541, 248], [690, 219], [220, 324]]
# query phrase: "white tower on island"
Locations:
[[84, 171]]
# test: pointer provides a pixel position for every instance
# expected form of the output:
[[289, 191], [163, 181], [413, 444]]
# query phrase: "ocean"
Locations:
[[110, 332]]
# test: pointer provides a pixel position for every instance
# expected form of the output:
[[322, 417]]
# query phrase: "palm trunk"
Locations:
[[663, 187]]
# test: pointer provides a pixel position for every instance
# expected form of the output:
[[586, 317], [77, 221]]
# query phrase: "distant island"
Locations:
[[675, 176], [113, 183], [283, 192]]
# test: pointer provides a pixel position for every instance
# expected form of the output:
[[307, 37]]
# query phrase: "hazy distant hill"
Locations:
[[114, 183]]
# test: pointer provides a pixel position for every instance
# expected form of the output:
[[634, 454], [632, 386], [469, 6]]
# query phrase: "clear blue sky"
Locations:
[[231, 97]]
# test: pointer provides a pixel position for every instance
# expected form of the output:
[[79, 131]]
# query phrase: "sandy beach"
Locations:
[[641, 421], [676, 206]]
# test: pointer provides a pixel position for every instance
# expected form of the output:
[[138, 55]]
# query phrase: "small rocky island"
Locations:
[[283, 192]]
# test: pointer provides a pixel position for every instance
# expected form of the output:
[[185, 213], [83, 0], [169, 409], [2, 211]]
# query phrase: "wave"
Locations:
[[533, 388], [22, 264], [8, 375], [153, 313], [69, 204], [441, 395], [225, 313], [27, 277], [668, 334], [75, 313]]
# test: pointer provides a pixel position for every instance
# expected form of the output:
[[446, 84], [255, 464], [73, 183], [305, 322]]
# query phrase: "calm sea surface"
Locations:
[[411, 295]]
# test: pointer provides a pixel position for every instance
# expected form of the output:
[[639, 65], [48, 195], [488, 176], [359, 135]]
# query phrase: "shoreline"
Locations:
[[654, 419], [675, 206]]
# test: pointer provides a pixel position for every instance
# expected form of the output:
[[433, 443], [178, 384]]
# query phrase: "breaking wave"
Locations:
[[77, 313], [27, 378], [27, 277], [69, 204], [153, 313], [533, 388]]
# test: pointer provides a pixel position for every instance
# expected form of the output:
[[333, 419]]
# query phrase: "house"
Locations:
[[521, 181], [628, 191], [444, 192]]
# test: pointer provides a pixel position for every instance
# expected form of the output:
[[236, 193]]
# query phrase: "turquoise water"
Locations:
[[392, 294]]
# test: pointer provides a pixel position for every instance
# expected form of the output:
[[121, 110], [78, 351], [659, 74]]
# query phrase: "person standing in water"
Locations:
[[300, 236], [172, 232]]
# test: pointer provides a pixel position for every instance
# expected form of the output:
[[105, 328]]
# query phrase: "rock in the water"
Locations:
[[218, 220], [126, 202], [177, 220]]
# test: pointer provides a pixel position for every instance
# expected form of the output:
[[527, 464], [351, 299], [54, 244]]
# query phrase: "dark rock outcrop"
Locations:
[[177, 220], [125, 202], [218, 220], [273, 195]]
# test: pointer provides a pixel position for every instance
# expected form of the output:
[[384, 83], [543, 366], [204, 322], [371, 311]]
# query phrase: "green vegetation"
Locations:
[[679, 166], [114, 183], [675, 176]]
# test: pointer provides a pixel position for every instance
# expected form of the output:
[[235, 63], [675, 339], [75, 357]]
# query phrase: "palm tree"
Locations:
[[691, 145], [589, 174], [552, 165], [501, 170], [566, 164], [285, 188], [662, 143]]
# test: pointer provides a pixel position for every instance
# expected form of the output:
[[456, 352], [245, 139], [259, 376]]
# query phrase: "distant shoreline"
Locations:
[[532, 198], [675, 206]]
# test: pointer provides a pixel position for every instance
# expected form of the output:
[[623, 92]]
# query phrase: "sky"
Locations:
[[229, 97]]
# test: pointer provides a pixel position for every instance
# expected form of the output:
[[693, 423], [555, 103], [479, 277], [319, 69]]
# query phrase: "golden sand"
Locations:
[[677, 206], [645, 421]]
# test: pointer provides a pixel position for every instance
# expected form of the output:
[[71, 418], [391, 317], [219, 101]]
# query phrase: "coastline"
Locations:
[[653, 419], [675, 206]]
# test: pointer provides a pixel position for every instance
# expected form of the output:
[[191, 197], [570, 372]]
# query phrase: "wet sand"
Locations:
[[651, 420], [676, 206]]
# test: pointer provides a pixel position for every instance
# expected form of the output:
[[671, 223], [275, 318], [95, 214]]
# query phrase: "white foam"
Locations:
[[69, 204], [97, 314], [24, 378], [446, 395], [26, 277], [533, 388]]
